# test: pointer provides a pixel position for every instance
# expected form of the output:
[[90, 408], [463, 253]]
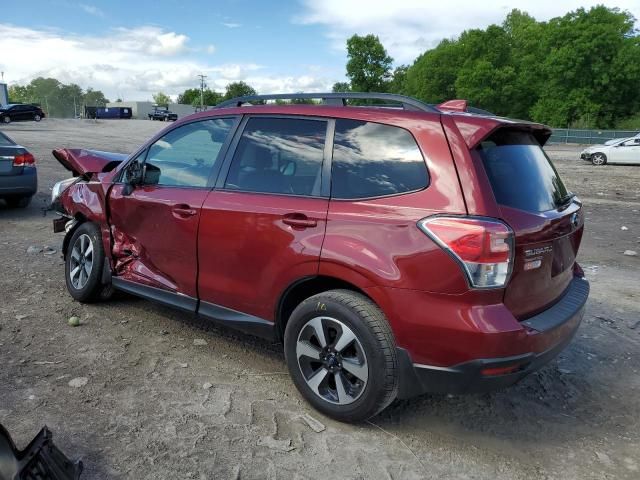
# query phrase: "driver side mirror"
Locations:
[[133, 175]]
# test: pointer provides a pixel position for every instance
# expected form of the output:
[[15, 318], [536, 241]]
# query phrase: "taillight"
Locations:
[[483, 247], [24, 160]]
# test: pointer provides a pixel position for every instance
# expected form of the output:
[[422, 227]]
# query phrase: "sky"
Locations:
[[131, 49]]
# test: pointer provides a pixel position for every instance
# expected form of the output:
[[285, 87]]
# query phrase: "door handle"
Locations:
[[299, 220], [183, 211]]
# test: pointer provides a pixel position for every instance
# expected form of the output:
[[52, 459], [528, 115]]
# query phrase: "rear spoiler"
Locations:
[[475, 129]]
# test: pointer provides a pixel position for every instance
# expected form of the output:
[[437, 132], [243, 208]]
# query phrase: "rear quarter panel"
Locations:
[[377, 242]]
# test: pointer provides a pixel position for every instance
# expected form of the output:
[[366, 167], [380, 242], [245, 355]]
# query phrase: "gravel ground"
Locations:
[[142, 391]]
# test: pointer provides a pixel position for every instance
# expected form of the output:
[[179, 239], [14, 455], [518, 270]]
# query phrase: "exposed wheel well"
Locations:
[[303, 289], [65, 243]]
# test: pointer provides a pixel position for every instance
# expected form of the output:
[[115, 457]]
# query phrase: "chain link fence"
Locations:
[[588, 137]]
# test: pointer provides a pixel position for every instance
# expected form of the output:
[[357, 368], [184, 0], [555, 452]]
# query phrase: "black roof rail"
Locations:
[[335, 99]]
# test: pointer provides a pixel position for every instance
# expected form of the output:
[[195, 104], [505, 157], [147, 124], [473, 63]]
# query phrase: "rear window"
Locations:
[[4, 141], [521, 174], [374, 160]]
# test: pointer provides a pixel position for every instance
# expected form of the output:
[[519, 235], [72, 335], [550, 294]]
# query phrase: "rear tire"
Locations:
[[599, 159], [18, 202], [84, 263], [341, 355]]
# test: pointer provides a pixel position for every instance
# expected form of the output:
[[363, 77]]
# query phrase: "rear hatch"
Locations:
[[547, 220]]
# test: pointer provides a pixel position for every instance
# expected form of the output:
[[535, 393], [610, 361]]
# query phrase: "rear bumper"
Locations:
[[24, 184], [547, 334]]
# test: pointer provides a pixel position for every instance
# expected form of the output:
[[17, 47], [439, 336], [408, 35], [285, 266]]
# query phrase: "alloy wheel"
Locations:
[[598, 159], [81, 261], [332, 360]]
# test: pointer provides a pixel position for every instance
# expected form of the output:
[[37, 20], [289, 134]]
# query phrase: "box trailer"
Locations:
[[107, 112]]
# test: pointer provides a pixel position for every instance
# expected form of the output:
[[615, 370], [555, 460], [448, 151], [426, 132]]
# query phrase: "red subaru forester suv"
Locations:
[[394, 249]]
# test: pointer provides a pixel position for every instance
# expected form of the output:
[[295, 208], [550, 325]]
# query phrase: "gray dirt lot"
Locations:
[[144, 413]]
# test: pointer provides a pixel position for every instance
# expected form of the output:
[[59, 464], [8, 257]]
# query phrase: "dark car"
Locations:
[[394, 251], [18, 173], [163, 114], [15, 112]]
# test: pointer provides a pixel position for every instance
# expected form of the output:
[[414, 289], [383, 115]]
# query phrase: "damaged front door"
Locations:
[[154, 223]]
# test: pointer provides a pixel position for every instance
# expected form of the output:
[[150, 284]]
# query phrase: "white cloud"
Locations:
[[131, 63], [91, 9], [409, 27], [150, 40], [231, 24], [279, 84]]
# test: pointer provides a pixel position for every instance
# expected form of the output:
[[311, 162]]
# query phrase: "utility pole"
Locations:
[[202, 86]]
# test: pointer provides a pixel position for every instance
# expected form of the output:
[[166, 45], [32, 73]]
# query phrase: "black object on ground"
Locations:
[[41, 460]]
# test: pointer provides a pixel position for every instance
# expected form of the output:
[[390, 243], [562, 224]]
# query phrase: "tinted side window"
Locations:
[[372, 160], [279, 155], [186, 155]]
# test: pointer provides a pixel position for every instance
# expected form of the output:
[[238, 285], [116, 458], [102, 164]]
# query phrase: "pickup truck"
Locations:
[[163, 114]]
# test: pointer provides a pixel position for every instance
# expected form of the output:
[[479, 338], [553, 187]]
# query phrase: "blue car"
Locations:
[[18, 173]]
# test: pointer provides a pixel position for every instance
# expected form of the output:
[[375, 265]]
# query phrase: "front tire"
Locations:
[[6, 119], [37, 117], [84, 263], [598, 159], [341, 355]]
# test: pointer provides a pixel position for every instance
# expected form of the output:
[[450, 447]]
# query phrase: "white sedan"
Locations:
[[625, 150]]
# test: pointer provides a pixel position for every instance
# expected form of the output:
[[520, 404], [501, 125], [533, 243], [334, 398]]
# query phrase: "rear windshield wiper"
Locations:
[[566, 200]]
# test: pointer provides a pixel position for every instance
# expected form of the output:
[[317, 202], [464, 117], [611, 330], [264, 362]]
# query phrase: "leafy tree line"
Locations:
[[65, 101], [191, 96], [580, 70], [58, 99]]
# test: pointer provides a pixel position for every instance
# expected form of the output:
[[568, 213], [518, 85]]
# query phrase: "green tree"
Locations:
[[19, 94], [581, 69], [368, 65], [161, 98], [433, 75], [592, 70], [95, 98], [58, 99], [398, 79], [191, 96], [238, 89], [341, 87]]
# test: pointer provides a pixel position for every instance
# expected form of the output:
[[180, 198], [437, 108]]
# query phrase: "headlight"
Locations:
[[61, 186]]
